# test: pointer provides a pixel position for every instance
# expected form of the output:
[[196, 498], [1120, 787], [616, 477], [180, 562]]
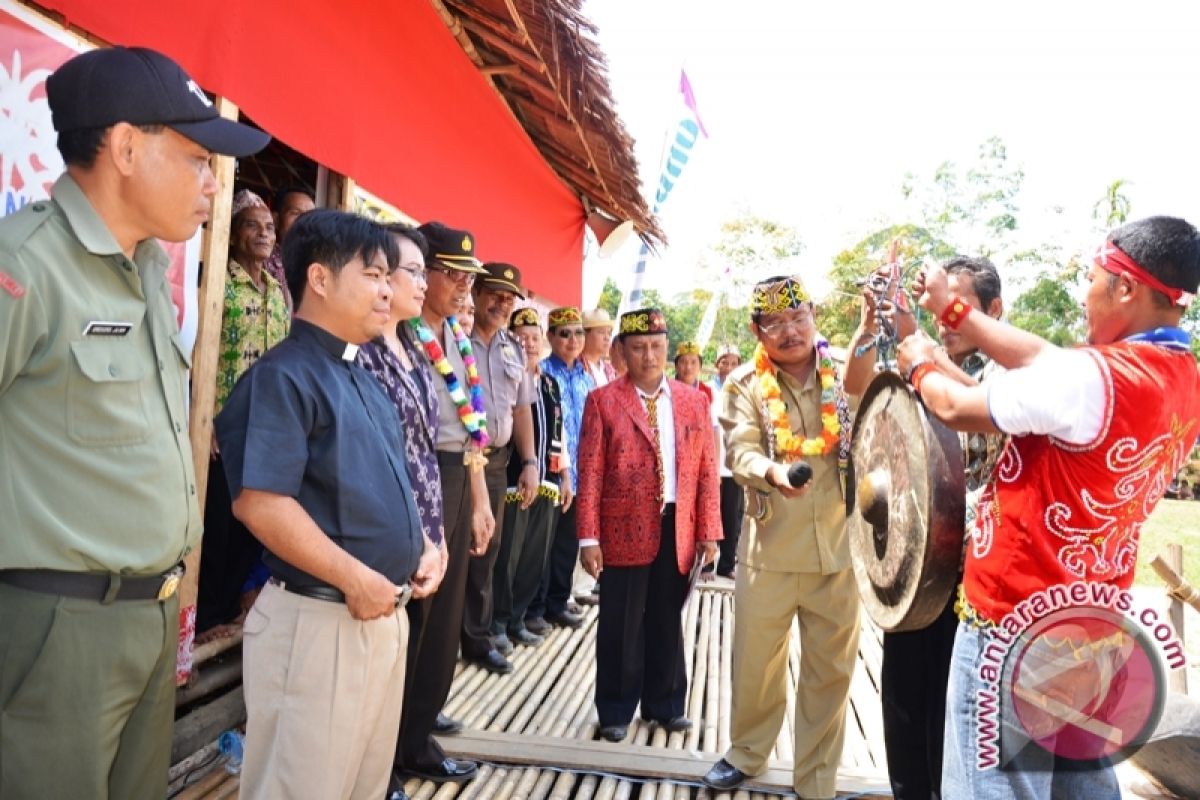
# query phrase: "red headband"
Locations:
[[1113, 259]]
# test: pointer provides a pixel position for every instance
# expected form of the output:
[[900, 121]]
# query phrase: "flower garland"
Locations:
[[472, 413], [788, 444]]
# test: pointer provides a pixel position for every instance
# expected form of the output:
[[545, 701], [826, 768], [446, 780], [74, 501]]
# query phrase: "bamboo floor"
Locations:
[[533, 730]]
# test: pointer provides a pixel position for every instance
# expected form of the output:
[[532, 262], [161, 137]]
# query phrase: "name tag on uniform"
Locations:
[[101, 328]]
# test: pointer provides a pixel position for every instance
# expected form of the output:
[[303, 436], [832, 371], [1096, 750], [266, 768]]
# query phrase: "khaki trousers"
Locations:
[[323, 698], [827, 609]]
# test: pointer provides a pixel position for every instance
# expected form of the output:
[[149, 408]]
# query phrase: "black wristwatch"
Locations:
[[529, 462]]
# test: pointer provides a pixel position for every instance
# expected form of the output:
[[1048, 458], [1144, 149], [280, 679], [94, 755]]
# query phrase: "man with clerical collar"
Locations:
[[916, 664], [553, 604], [451, 269], [507, 395], [597, 339], [313, 452], [97, 486], [786, 406], [1096, 434], [648, 516]]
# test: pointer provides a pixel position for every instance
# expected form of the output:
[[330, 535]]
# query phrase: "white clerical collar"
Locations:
[[350, 353]]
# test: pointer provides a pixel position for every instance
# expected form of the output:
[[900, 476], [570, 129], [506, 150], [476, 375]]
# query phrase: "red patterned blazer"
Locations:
[[616, 499]]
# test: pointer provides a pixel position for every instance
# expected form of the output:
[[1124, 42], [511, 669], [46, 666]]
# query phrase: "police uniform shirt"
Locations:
[[452, 434], [308, 422], [505, 381], [95, 465]]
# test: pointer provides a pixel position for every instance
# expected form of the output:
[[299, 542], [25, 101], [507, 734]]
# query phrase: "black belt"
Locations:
[[332, 595], [98, 586]]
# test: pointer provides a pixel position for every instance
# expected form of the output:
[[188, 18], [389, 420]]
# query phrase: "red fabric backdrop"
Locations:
[[379, 91]]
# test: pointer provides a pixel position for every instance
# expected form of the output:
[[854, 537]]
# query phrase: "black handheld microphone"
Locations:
[[799, 474]]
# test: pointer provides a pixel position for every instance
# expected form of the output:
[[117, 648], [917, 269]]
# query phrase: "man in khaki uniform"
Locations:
[[97, 489], [787, 406]]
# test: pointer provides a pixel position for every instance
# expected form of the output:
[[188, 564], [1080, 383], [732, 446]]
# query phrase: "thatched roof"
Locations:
[[543, 59]]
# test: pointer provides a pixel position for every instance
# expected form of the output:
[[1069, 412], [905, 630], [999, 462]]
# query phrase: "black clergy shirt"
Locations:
[[307, 422]]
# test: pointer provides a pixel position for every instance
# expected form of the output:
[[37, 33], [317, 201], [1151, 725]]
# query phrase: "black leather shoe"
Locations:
[[537, 625], [674, 724], [526, 637], [446, 726], [503, 646], [563, 619], [614, 733], [395, 790], [724, 775], [449, 770], [493, 662]]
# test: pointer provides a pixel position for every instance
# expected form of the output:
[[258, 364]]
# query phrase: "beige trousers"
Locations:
[[827, 609], [323, 697]]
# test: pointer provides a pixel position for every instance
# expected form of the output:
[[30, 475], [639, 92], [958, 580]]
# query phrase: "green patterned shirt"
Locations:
[[252, 323]]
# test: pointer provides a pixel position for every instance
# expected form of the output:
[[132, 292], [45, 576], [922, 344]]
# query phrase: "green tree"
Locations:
[[610, 297], [1050, 310]]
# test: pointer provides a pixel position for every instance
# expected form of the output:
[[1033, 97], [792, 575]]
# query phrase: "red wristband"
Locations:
[[919, 374], [954, 314]]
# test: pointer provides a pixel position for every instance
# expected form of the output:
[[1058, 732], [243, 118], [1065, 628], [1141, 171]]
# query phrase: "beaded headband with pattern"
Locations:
[[643, 321], [523, 317], [687, 349], [771, 297], [568, 315]]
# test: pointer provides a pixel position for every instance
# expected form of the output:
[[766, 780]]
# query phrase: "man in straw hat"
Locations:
[[99, 494], [647, 449], [787, 406]]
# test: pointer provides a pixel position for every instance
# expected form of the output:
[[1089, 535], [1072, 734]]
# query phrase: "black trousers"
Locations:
[[733, 508], [522, 562], [477, 613], [228, 554], [555, 591], [639, 638], [915, 673], [433, 645]]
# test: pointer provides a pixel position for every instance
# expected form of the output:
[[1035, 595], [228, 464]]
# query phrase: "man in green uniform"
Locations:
[[96, 480]]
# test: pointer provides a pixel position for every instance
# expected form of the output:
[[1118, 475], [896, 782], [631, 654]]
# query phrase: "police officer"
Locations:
[[508, 397], [96, 477]]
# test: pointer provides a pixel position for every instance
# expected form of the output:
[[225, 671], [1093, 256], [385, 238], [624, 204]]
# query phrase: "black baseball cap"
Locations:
[[142, 87]]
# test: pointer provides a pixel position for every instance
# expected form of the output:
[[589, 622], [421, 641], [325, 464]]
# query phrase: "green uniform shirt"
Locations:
[[95, 466], [803, 534]]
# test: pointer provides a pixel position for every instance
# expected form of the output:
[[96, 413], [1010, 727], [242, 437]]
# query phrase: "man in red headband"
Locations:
[[1097, 434]]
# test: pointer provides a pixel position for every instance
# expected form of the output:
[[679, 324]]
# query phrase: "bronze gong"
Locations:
[[905, 507]]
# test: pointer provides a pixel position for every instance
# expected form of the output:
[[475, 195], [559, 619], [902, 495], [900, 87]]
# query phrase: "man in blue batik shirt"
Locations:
[[553, 605]]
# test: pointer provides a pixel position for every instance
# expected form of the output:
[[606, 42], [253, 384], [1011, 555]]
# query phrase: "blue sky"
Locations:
[[817, 111]]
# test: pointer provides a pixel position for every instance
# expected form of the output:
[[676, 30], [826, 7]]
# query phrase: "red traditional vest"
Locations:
[[1056, 513]]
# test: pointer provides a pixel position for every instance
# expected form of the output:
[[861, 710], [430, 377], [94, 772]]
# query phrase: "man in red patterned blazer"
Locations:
[[648, 503]]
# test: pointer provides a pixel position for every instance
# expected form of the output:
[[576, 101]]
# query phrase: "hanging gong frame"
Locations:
[[905, 507]]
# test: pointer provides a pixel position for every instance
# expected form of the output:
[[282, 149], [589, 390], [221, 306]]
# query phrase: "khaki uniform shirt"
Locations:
[[95, 466], [505, 381], [805, 534], [452, 434]]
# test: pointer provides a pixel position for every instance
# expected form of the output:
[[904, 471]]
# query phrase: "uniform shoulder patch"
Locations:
[[10, 284]]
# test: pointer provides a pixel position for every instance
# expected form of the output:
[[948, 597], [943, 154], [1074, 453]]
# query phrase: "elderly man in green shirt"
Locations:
[[96, 478]]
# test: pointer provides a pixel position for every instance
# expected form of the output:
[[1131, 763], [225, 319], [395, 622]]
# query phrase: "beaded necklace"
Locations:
[[471, 412]]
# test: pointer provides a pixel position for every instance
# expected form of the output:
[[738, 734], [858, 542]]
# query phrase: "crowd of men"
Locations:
[[391, 490]]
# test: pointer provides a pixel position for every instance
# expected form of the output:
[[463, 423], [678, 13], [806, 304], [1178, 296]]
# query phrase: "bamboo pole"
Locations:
[[1176, 585], [1180, 591], [725, 705], [210, 306], [712, 689], [701, 674], [205, 785]]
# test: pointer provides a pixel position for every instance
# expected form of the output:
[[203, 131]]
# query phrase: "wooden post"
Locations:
[[1178, 679], [215, 256]]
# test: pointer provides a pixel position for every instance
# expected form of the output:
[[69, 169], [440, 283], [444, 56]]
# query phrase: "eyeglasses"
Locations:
[[801, 320], [456, 275], [418, 273], [567, 333]]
